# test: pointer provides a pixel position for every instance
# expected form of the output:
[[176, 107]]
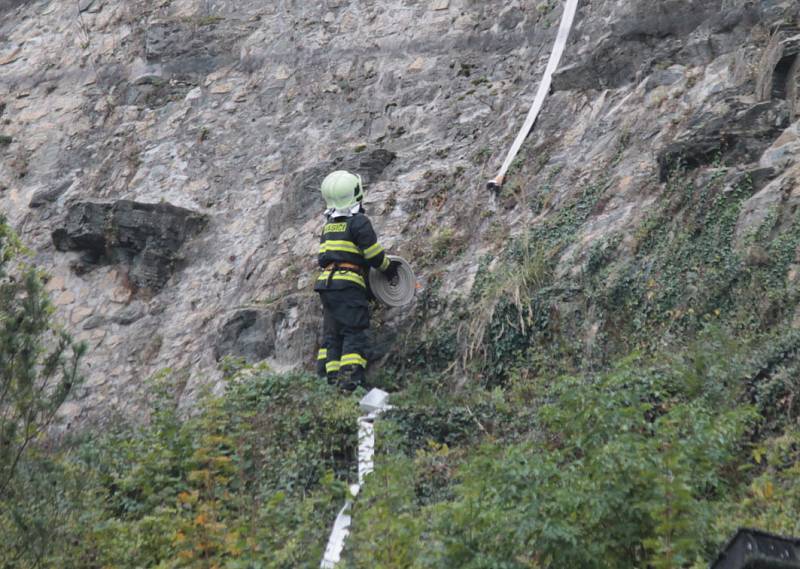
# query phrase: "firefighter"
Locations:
[[348, 248]]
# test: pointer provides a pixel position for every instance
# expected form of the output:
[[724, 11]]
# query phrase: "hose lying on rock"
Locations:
[[398, 292], [570, 8]]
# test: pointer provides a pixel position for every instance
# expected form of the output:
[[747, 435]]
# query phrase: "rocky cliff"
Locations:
[[163, 158]]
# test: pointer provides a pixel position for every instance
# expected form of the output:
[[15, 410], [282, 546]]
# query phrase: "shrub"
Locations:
[[253, 479], [628, 468], [38, 360]]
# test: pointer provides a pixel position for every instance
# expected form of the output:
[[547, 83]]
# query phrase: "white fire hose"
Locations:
[[398, 292], [564, 29], [373, 404]]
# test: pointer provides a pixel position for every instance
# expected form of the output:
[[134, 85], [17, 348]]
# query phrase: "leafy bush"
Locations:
[[625, 469], [253, 479], [771, 501]]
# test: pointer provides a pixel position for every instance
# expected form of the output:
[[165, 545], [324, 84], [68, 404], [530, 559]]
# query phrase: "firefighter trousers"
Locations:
[[345, 340]]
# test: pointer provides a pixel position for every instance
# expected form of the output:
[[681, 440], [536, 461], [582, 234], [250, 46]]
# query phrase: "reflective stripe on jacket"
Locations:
[[352, 241]]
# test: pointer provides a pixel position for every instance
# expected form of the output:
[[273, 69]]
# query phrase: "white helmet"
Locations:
[[342, 190]]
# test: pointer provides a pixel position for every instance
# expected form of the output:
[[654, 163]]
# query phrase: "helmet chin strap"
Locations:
[[347, 212]]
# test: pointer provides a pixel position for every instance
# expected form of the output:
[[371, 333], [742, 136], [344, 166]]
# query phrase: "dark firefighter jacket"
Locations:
[[346, 245]]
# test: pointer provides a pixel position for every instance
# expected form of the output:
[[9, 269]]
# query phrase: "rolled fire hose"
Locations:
[[567, 18], [395, 293]]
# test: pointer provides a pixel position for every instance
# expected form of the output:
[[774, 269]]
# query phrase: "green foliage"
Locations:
[[426, 348], [253, 479], [504, 307], [688, 268], [428, 414], [445, 244], [38, 360], [558, 229], [625, 469], [772, 499], [392, 532]]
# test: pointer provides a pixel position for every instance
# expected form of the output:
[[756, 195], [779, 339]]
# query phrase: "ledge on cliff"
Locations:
[[145, 237]]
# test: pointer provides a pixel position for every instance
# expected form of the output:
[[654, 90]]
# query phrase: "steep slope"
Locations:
[[233, 111], [600, 370]]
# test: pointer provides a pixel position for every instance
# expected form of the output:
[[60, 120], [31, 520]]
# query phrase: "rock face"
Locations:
[[303, 188], [734, 130], [148, 118], [280, 333], [146, 238]]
